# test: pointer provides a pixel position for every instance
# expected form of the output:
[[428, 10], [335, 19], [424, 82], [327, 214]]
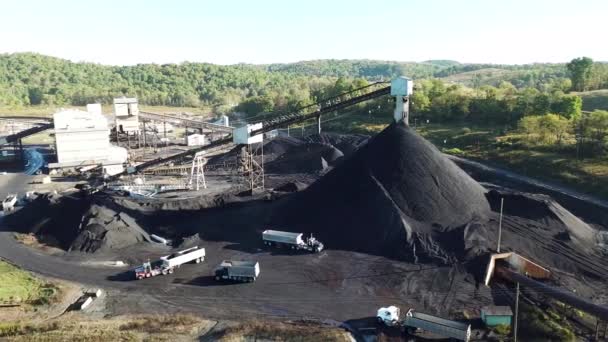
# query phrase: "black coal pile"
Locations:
[[50, 215], [397, 196], [546, 211], [79, 222], [346, 143], [105, 227], [305, 158], [292, 187]]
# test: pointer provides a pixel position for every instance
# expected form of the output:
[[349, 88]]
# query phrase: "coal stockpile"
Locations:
[[398, 196], [50, 215], [105, 227], [305, 158], [79, 222]]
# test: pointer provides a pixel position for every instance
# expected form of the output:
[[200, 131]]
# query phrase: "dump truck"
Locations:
[[9, 202], [167, 264], [295, 241], [243, 271], [413, 320]]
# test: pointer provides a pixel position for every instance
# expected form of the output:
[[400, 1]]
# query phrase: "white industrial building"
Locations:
[[126, 112], [83, 139]]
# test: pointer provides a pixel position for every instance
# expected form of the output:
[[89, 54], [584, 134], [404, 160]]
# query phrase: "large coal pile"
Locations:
[[398, 196]]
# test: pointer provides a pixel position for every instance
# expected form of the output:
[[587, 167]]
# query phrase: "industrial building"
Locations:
[[83, 139], [126, 111], [496, 315]]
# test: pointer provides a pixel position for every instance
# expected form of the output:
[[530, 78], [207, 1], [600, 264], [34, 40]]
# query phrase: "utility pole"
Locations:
[[502, 201], [516, 313]]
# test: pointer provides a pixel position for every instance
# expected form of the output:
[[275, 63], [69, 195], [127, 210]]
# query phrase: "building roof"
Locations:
[[494, 310]]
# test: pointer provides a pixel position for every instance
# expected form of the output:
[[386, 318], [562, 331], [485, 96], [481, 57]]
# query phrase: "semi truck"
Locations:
[[413, 320], [167, 264], [295, 241], [243, 271]]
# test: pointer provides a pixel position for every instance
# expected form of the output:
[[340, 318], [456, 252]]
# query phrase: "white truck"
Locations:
[[390, 316], [295, 241], [167, 264], [243, 271], [9, 202]]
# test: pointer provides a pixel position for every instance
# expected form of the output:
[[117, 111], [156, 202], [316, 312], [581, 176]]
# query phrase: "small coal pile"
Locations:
[[397, 196], [105, 227], [292, 187], [50, 215], [543, 209], [79, 222], [346, 143], [305, 158]]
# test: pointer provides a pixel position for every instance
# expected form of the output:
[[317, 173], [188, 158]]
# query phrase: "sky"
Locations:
[[281, 31]]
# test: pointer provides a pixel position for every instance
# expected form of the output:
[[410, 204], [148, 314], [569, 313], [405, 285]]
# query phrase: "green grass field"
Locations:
[[504, 148], [18, 286]]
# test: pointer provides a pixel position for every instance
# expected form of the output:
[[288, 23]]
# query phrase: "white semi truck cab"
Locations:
[[295, 241]]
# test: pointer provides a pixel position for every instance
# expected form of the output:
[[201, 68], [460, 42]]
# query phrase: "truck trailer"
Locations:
[[295, 241], [413, 320], [167, 264], [243, 271]]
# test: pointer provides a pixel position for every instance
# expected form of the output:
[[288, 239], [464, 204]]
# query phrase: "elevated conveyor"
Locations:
[[324, 106]]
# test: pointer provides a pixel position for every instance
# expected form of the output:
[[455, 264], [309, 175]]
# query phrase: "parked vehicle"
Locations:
[[243, 271], [294, 241], [9, 202], [167, 264], [390, 316]]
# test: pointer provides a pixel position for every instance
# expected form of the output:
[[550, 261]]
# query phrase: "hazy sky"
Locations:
[[259, 31]]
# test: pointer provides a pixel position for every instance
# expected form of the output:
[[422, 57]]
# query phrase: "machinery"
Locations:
[[291, 240], [243, 271], [413, 320], [167, 264]]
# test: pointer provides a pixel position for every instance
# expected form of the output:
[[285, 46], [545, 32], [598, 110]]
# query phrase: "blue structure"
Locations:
[[496, 315]]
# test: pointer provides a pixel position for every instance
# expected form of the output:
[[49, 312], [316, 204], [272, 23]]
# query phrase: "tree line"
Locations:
[[34, 79]]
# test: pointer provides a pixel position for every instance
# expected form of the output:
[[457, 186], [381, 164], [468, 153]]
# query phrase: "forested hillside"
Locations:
[[33, 79]]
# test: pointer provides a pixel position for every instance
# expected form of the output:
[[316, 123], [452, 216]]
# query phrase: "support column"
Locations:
[[21, 151], [319, 124]]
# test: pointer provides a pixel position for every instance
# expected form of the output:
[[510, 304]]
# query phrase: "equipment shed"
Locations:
[[496, 315]]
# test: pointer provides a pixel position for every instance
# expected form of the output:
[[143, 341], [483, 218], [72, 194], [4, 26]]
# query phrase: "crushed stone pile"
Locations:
[[398, 196]]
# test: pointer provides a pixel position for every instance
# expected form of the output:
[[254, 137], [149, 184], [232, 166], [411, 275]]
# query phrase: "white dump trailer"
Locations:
[[390, 316], [167, 264], [295, 241], [244, 271]]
